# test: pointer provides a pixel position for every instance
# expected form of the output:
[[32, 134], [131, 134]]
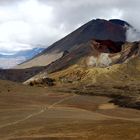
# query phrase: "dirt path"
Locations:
[[68, 113], [44, 108]]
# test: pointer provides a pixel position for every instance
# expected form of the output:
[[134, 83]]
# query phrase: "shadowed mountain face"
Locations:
[[120, 22], [96, 53], [90, 55], [107, 46], [92, 49], [99, 43], [99, 29]]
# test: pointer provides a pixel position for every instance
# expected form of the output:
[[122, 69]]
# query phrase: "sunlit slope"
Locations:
[[126, 73], [90, 63]]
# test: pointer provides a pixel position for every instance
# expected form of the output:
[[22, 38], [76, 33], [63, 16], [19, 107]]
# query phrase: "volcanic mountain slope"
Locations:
[[94, 55], [97, 70], [78, 47], [93, 49], [100, 29], [120, 82], [118, 74], [90, 50]]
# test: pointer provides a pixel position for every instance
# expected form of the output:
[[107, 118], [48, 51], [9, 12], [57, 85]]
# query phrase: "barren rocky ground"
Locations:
[[30, 113]]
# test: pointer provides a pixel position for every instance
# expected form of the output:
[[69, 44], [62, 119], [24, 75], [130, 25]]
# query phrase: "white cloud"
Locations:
[[26, 23], [132, 35], [116, 14]]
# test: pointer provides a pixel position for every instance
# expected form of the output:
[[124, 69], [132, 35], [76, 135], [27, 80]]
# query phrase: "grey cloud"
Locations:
[[74, 12], [46, 21], [5, 2]]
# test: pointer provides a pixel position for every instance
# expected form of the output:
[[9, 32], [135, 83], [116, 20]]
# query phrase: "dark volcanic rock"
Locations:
[[108, 46], [120, 22], [99, 29], [95, 29]]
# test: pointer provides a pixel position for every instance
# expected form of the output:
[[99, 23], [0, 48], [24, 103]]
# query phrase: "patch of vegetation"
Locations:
[[43, 81]]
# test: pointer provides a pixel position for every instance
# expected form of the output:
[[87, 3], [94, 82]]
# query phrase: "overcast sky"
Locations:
[[27, 23]]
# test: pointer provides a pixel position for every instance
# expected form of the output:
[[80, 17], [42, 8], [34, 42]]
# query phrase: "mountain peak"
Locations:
[[98, 29], [120, 22]]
